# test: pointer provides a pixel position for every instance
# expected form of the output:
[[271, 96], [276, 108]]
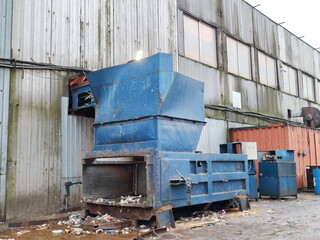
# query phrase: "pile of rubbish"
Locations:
[[204, 218], [122, 200], [101, 224]]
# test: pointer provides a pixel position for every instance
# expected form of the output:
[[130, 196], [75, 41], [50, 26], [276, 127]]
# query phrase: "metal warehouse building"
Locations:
[[255, 72]]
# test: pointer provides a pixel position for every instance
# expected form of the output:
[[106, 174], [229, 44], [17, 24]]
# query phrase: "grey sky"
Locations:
[[302, 18]]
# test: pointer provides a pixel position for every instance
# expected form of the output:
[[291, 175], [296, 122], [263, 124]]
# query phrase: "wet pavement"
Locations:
[[267, 219]]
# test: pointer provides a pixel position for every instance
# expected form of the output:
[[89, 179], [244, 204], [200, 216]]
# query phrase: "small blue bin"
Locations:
[[316, 175]]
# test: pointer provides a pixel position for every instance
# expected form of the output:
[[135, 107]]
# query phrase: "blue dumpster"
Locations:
[[316, 174]]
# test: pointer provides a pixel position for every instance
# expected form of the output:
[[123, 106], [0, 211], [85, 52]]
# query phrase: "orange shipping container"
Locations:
[[304, 141]]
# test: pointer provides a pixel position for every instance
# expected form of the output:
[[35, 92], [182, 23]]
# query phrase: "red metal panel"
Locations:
[[304, 141]]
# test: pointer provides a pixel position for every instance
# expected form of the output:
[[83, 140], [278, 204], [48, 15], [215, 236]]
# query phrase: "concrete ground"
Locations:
[[267, 219]]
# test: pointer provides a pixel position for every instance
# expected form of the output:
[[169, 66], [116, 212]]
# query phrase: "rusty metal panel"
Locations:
[[76, 141], [5, 48], [237, 19], [203, 73], [265, 33], [304, 141], [206, 10], [213, 134]]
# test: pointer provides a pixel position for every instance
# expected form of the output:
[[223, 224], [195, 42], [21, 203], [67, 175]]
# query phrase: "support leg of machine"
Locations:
[[164, 218]]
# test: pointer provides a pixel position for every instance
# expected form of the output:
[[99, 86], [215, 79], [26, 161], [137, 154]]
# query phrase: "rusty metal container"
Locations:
[[303, 140]]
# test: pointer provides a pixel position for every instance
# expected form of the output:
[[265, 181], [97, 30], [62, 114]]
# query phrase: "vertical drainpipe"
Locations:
[[5, 52]]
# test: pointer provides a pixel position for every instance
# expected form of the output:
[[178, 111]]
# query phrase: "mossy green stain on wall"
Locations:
[[12, 143]]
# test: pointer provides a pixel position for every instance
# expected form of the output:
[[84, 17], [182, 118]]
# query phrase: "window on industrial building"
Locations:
[[318, 89], [200, 41], [267, 70], [308, 87], [289, 77], [239, 61]]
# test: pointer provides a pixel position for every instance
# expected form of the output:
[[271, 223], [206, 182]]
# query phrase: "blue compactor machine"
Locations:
[[147, 127]]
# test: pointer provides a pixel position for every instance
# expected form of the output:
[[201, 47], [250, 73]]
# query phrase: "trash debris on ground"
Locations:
[[58, 231], [22, 232], [270, 211]]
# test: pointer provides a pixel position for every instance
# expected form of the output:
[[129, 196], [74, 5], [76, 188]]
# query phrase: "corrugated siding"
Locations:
[[77, 139], [237, 19], [34, 154], [93, 34], [45, 150], [5, 47], [299, 139], [213, 134], [209, 76], [265, 34], [207, 10]]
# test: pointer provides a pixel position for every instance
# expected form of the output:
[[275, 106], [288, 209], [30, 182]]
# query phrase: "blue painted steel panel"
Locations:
[[163, 134], [316, 174], [146, 105], [146, 88], [217, 177], [278, 178], [253, 190]]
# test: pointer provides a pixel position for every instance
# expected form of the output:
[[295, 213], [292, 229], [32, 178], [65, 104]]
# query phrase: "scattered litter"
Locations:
[[210, 224], [130, 199], [104, 200], [59, 231], [22, 232], [270, 211], [99, 230], [143, 226], [7, 239], [222, 211], [145, 230], [42, 227], [77, 231]]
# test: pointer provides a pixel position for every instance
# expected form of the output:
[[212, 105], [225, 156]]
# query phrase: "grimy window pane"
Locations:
[[308, 87], [262, 68], [208, 45], [271, 71], [304, 86], [232, 54], [293, 81], [244, 60], [310, 83], [191, 38]]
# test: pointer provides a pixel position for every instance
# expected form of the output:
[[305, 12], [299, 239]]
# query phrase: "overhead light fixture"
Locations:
[[139, 55]]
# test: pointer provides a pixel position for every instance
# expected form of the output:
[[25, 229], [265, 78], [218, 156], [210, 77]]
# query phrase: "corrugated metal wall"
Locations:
[[5, 47], [46, 145], [304, 141], [77, 140], [213, 134], [101, 33]]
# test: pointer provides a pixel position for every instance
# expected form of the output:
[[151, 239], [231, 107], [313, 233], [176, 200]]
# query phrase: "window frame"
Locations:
[[239, 73], [214, 64], [275, 72], [303, 87], [289, 80]]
